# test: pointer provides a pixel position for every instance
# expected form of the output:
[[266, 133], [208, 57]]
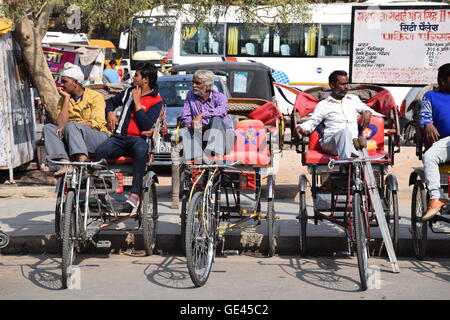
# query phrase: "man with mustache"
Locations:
[[339, 115], [205, 108]]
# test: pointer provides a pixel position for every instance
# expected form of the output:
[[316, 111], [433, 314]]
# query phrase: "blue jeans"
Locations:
[[135, 147]]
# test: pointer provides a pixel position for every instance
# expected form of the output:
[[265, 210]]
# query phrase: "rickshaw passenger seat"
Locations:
[[375, 132], [251, 146]]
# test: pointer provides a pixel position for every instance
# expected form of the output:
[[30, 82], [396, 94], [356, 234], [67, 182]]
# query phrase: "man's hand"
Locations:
[[59, 132], [137, 94], [364, 121], [63, 93], [197, 121], [111, 121], [301, 131], [431, 133]]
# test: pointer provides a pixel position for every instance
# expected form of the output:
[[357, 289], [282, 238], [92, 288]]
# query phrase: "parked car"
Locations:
[[174, 89], [409, 109]]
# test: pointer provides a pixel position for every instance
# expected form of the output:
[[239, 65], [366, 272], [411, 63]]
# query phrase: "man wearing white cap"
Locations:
[[81, 124]]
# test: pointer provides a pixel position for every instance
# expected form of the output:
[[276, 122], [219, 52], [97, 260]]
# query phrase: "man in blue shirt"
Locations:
[[111, 75], [435, 119]]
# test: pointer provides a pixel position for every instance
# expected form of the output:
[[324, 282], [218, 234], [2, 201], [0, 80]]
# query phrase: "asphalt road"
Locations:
[[232, 278]]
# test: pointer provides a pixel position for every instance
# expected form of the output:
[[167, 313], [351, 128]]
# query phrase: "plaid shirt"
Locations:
[[214, 106]]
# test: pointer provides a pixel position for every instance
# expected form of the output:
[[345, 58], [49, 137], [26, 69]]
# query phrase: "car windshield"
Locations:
[[174, 94]]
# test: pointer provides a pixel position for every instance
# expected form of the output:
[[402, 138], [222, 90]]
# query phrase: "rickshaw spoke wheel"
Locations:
[[199, 240], [149, 216], [69, 238], [419, 228], [303, 219], [362, 241]]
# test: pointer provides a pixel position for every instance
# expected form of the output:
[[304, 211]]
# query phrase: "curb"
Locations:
[[288, 192], [171, 244]]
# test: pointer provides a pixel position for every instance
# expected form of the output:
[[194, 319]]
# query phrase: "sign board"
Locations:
[[398, 45], [56, 59]]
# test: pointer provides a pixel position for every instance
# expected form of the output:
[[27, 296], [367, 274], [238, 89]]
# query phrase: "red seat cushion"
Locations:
[[121, 160], [250, 147]]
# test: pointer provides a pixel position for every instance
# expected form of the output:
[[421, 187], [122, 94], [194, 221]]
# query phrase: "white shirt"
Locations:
[[337, 115]]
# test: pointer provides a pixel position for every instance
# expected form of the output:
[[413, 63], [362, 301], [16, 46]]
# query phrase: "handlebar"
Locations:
[[209, 166], [332, 161], [76, 163]]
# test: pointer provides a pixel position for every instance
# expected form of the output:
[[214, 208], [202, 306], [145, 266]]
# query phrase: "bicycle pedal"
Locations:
[[341, 254], [230, 252], [103, 244]]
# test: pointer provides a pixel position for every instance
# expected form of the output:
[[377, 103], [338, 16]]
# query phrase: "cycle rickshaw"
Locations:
[[228, 194], [339, 188], [90, 200], [420, 195]]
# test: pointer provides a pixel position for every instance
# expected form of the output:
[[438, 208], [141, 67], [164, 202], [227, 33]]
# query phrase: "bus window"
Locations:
[[149, 36], [335, 40], [295, 40], [202, 40], [248, 40], [284, 40]]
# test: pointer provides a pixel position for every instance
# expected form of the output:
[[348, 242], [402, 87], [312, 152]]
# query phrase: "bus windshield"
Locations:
[[151, 39]]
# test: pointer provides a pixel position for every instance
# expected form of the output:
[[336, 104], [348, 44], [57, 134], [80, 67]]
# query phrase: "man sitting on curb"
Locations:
[[435, 119], [141, 108], [80, 126], [339, 114]]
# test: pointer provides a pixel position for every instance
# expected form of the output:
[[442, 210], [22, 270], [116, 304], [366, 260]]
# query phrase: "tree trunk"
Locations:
[[29, 34]]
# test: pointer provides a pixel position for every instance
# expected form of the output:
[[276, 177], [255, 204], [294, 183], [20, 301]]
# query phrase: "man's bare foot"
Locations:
[[63, 171]]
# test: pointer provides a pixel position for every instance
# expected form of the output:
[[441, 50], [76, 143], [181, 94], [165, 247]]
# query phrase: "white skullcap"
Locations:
[[72, 71]]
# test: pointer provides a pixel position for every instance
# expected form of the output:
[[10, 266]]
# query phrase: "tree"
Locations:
[[31, 18]]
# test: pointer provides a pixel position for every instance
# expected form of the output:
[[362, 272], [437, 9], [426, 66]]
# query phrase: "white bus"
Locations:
[[306, 52]]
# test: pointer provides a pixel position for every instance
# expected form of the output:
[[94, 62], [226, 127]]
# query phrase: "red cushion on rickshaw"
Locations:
[[250, 147], [375, 131], [121, 160]]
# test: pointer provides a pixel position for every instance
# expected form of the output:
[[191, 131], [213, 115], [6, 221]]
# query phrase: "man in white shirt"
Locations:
[[339, 114]]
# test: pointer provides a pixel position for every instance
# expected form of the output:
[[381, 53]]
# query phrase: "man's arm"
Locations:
[[111, 105], [146, 120], [308, 126], [426, 120], [97, 120], [186, 115]]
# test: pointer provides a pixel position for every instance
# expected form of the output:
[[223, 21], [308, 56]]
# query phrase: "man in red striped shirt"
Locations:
[[141, 108]]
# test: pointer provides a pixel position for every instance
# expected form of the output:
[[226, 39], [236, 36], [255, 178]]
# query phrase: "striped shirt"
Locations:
[[214, 106]]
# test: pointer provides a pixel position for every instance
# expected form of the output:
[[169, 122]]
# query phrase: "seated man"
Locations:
[[141, 108], [435, 119], [339, 114], [80, 126], [205, 111]]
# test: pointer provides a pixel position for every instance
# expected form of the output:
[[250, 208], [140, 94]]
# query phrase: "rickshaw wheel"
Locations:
[[149, 216], [59, 220], [362, 242], [419, 228], [303, 219], [184, 200], [392, 217], [69, 238], [4, 240], [271, 228], [200, 239]]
